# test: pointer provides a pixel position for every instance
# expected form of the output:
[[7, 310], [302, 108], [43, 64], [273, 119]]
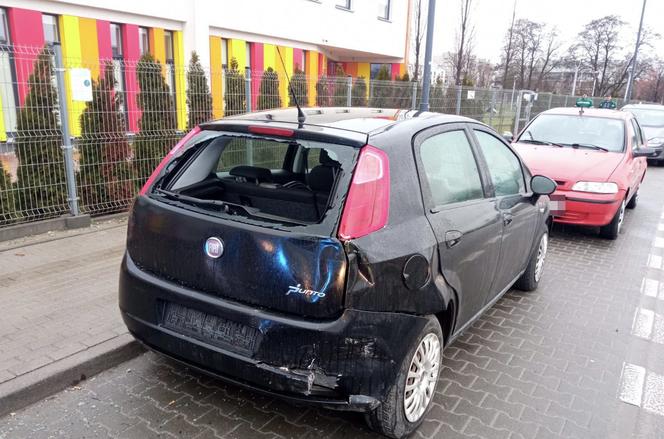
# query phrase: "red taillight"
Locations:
[[271, 131], [167, 159], [368, 202]]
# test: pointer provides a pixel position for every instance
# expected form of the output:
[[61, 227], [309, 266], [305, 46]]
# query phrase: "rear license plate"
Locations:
[[209, 328]]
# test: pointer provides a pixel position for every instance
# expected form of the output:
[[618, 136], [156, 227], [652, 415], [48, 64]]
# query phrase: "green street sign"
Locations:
[[584, 102]]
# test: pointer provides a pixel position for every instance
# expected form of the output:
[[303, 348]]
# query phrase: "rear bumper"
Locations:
[[587, 209], [346, 363]]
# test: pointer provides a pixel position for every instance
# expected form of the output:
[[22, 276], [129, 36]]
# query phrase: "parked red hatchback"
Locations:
[[597, 158]]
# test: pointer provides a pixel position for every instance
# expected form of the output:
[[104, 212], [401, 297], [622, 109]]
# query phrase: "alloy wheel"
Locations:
[[422, 377], [621, 215], [541, 256]]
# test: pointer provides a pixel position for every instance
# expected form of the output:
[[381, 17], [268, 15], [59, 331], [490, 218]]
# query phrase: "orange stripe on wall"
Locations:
[[351, 69], [216, 82], [157, 49], [89, 46]]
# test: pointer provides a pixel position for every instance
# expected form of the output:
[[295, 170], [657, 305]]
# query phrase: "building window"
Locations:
[[170, 61], [4, 32], [50, 26], [118, 62], [143, 40], [375, 69], [345, 4], [224, 53], [116, 41], [384, 9], [8, 91]]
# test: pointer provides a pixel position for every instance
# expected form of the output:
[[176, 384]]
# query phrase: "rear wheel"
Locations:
[[612, 230], [530, 278], [409, 398]]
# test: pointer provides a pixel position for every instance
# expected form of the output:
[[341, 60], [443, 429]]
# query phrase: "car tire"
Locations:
[[612, 230], [530, 278], [392, 418], [634, 200]]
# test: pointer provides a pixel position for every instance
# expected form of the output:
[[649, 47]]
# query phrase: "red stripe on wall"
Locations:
[[395, 70], [321, 65], [298, 56], [256, 58], [25, 29], [131, 53], [104, 40]]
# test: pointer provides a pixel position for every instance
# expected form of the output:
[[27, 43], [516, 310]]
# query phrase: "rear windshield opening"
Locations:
[[282, 181]]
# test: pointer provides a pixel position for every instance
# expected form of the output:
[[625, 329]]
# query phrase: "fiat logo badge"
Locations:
[[214, 247]]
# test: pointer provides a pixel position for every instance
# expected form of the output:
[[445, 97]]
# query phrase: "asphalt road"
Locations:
[[582, 357]]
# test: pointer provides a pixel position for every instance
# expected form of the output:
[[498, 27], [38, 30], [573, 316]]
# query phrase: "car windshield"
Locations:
[[648, 118], [576, 131]]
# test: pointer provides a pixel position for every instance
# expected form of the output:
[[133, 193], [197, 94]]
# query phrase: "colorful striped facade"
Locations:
[[87, 42]]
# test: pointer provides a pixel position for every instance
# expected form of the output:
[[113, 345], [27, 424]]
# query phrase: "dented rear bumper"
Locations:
[[347, 363]]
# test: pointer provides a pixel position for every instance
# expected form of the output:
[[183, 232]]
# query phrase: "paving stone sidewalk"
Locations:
[[59, 296]]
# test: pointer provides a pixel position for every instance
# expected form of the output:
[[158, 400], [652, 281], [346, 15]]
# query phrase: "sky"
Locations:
[[492, 18]]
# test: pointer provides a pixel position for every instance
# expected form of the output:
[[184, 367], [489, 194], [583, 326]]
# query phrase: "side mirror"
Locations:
[[542, 185], [646, 152], [508, 136]]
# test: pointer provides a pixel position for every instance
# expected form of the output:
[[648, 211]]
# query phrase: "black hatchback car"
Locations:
[[329, 262]]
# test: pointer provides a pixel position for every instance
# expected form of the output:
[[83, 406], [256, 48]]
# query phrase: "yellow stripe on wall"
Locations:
[[238, 49], [71, 52], [364, 70], [89, 45], [180, 83], [157, 48], [287, 56], [216, 79], [269, 56], [311, 69]]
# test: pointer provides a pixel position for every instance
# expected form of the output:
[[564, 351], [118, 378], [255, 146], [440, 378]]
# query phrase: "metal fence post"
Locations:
[[247, 88], [349, 95], [566, 100], [550, 101], [517, 116], [67, 146], [413, 100], [492, 106], [458, 100]]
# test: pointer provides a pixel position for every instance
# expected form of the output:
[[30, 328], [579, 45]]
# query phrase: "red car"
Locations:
[[597, 158]]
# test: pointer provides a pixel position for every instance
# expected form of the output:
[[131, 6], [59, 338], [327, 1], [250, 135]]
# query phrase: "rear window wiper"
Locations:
[[541, 142], [191, 200], [589, 145]]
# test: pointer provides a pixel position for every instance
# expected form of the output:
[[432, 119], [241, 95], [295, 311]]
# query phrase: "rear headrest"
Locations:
[[252, 173], [321, 178]]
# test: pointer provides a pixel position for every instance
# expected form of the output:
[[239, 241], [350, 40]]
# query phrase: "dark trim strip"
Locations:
[[584, 200]]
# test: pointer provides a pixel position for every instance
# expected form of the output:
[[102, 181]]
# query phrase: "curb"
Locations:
[[38, 227], [34, 386]]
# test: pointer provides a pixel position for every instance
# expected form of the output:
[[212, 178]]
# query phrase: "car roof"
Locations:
[[365, 120], [589, 112], [644, 107]]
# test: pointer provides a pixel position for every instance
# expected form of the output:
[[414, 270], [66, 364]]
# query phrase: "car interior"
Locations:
[[288, 180]]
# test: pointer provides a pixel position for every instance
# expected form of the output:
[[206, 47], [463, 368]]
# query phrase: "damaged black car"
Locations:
[[331, 261]]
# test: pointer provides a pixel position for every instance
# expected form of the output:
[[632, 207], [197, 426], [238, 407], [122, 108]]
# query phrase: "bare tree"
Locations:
[[527, 44], [420, 30], [598, 48], [464, 43], [548, 60]]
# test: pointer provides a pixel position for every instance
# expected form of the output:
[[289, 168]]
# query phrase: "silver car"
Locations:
[[651, 119]]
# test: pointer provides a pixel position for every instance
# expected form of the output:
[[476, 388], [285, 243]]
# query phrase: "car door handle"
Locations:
[[452, 238], [507, 219]]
